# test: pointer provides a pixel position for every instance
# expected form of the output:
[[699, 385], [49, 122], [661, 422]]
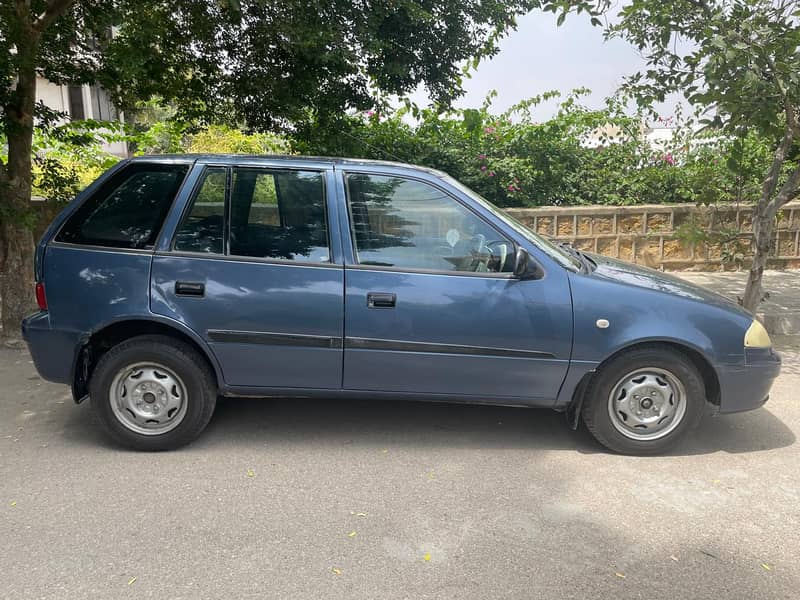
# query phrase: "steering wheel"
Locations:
[[496, 249]]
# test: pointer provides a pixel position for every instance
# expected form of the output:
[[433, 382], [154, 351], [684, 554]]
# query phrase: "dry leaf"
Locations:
[[13, 503], [133, 579], [336, 571], [251, 473], [766, 567], [427, 557], [384, 450], [620, 575], [351, 534], [673, 557]]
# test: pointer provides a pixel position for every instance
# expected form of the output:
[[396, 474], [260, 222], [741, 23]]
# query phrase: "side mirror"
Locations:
[[525, 267]]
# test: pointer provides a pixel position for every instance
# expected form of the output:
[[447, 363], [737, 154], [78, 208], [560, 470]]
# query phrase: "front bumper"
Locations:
[[745, 387], [52, 350]]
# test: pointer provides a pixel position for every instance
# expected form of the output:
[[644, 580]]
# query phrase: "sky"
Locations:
[[539, 56]]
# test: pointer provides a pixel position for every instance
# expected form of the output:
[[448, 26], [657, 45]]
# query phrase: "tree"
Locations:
[[264, 64], [738, 61]]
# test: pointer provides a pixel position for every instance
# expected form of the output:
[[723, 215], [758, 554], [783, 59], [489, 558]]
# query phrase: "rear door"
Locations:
[[252, 267], [432, 306]]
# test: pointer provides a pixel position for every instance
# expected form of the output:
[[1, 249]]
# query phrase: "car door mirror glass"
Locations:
[[525, 267]]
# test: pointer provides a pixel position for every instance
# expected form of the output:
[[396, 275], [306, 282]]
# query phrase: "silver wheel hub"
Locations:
[[148, 398], [647, 404]]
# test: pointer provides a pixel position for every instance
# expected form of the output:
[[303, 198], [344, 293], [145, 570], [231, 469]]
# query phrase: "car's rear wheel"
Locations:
[[153, 393], [644, 400]]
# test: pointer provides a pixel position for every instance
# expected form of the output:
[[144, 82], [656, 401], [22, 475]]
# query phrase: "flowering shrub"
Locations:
[[579, 156]]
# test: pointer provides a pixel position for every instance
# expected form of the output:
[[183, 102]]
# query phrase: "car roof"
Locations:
[[255, 159]]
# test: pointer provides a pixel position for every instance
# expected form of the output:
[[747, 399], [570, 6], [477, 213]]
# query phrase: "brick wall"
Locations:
[[646, 234]]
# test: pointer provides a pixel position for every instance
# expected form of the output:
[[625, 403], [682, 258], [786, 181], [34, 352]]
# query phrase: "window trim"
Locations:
[[226, 255], [189, 204], [359, 267], [97, 186]]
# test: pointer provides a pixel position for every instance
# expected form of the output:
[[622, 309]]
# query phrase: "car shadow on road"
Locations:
[[370, 423]]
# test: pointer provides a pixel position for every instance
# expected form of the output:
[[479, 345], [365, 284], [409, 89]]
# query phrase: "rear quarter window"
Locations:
[[128, 209]]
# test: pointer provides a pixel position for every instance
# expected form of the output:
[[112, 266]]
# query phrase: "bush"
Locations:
[[580, 156]]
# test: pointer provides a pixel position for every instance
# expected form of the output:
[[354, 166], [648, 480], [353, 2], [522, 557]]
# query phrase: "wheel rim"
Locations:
[[647, 404], [148, 398]]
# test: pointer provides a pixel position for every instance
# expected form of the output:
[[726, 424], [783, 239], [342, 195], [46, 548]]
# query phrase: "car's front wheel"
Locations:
[[153, 393], [644, 400]]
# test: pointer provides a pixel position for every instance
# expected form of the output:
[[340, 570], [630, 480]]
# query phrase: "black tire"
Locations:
[[193, 371], [596, 413]]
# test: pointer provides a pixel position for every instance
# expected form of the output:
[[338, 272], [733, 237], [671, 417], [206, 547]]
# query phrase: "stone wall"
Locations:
[[660, 236]]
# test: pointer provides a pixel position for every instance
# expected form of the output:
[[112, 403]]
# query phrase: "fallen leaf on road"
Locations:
[[620, 575], [251, 473], [351, 534], [716, 481], [336, 571], [131, 582], [430, 475], [427, 557], [384, 451], [355, 514], [766, 567], [13, 503], [673, 557]]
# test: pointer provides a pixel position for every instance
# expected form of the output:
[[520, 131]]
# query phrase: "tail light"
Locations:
[[41, 299]]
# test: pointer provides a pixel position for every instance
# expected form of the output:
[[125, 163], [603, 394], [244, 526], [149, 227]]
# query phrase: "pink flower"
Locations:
[[513, 188], [491, 173], [481, 157], [668, 158], [483, 167], [370, 113], [489, 129]]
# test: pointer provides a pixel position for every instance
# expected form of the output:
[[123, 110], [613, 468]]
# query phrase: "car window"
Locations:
[[410, 224], [273, 213], [128, 210], [279, 214], [202, 229]]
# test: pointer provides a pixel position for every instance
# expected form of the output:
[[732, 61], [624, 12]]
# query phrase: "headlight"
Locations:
[[756, 336]]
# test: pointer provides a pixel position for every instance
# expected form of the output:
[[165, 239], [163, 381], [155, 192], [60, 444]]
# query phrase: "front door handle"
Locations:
[[381, 300], [190, 288]]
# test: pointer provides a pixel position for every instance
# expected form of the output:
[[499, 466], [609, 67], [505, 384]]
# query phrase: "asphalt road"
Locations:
[[310, 499]]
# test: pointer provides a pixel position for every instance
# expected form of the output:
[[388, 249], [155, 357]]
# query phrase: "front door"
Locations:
[[432, 306], [250, 270]]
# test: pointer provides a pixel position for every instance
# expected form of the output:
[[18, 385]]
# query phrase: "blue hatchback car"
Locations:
[[173, 280]]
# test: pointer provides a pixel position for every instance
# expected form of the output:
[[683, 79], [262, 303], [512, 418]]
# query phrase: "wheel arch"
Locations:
[[93, 345], [698, 359]]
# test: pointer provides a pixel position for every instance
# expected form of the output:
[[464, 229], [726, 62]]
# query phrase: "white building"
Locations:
[[81, 102]]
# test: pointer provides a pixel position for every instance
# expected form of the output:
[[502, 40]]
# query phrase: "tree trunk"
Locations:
[[763, 232], [16, 276], [16, 237]]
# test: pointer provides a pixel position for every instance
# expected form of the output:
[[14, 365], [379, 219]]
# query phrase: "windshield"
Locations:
[[561, 256]]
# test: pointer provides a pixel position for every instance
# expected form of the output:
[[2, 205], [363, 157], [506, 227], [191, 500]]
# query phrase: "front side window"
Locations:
[[410, 224], [272, 213], [128, 209]]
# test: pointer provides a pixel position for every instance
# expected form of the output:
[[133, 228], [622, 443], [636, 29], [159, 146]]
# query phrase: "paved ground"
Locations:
[[780, 312], [302, 499]]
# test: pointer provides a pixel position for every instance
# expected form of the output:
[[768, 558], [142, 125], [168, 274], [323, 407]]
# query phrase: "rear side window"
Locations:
[[271, 213], [128, 210]]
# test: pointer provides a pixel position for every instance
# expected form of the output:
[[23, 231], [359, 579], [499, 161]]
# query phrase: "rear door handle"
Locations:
[[381, 300], [190, 288]]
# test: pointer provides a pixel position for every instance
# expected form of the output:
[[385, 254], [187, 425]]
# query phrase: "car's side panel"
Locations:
[[458, 335], [637, 315], [87, 285], [268, 324]]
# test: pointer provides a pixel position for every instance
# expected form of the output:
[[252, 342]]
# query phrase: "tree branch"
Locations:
[[788, 190], [771, 180], [55, 8]]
